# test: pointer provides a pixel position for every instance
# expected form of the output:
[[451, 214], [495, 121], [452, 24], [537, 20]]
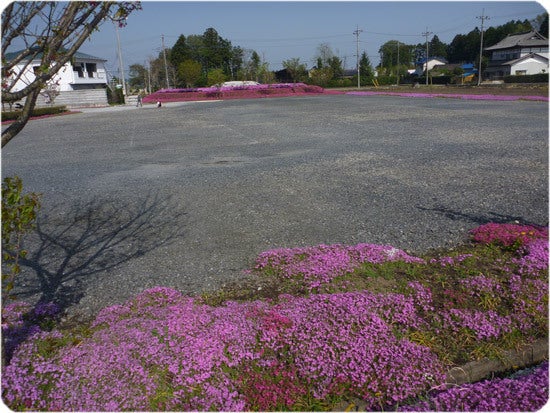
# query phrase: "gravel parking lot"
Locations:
[[187, 195]]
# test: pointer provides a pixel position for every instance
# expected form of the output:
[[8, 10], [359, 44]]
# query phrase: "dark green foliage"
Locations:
[[538, 78], [365, 67], [50, 110], [543, 28], [115, 97]]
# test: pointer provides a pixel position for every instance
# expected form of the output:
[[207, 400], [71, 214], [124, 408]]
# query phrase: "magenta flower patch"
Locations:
[[234, 92], [526, 392], [183, 355], [165, 351], [318, 266], [507, 234], [452, 96]]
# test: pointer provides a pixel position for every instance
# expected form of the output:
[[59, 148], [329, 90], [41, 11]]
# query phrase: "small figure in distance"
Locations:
[[139, 103], [159, 104]]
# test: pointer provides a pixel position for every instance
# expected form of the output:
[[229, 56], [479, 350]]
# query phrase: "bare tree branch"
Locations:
[[16, 127], [52, 32]]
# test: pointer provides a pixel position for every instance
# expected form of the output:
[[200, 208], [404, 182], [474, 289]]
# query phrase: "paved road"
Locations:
[[186, 196]]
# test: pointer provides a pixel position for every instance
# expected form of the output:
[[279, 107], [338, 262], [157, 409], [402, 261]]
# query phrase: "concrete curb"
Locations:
[[515, 359], [476, 370]]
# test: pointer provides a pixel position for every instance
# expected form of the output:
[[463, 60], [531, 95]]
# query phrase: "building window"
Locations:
[[91, 68], [521, 72], [78, 68]]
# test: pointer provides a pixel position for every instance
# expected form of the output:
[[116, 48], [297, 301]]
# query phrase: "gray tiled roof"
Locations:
[[529, 39], [78, 55]]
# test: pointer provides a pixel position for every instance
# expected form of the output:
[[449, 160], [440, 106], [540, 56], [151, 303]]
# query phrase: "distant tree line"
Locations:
[[464, 48], [199, 60], [208, 59]]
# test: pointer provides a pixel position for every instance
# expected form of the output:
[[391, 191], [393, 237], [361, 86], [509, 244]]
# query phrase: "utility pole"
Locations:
[[398, 63], [165, 64], [149, 78], [482, 17], [121, 65], [427, 33], [356, 33]]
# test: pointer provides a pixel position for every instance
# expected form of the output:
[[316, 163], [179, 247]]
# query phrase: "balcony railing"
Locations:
[[89, 77]]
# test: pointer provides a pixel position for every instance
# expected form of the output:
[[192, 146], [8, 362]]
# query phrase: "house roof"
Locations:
[[451, 66], [468, 68], [527, 56], [77, 56], [529, 39], [431, 59]]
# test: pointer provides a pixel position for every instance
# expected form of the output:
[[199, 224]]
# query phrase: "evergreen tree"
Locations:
[[365, 67], [179, 52], [464, 48], [335, 65], [542, 24], [437, 48]]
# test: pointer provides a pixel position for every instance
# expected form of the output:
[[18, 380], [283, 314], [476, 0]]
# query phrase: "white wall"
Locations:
[[65, 78], [531, 66]]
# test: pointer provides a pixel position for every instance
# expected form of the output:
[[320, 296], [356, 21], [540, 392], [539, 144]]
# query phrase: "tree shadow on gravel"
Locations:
[[94, 237], [479, 219]]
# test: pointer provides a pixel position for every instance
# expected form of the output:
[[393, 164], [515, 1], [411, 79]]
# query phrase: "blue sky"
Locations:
[[282, 30]]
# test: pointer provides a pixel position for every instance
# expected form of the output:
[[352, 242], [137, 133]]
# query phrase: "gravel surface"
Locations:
[[187, 195]]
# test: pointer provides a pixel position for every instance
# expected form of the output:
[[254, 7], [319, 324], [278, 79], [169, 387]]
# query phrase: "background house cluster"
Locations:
[[518, 54], [83, 81]]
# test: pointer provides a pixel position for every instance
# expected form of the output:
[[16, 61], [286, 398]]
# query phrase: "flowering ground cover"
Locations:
[[366, 322], [451, 96], [523, 391], [234, 92]]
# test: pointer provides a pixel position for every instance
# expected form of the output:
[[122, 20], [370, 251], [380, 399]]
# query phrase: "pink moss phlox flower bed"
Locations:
[[521, 393], [165, 351], [508, 234], [235, 92], [320, 265], [452, 96]]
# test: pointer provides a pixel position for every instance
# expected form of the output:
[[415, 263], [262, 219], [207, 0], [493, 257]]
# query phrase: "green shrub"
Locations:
[[435, 80], [538, 78], [341, 83], [115, 97], [48, 110], [18, 217]]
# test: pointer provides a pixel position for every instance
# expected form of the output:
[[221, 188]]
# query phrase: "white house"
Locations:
[[518, 54], [81, 81], [432, 61]]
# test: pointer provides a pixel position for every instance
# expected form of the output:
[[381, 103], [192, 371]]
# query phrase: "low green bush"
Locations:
[[538, 78], [49, 110], [19, 213]]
